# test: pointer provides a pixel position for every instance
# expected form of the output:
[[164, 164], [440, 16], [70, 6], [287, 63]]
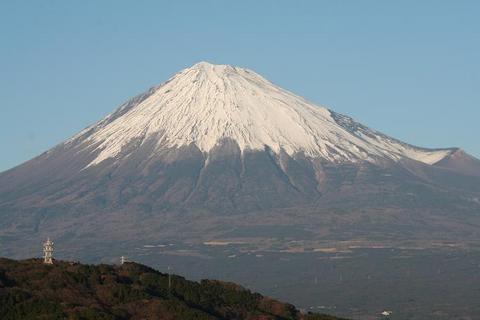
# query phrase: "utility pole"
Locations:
[[169, 279]]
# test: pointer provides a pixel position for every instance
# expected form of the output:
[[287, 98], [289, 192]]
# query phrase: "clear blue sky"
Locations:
[[408, 68]]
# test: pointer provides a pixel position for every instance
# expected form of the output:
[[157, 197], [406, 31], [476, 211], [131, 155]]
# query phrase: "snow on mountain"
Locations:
[[207, 103]]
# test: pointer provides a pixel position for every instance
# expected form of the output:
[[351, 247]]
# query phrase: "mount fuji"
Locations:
[[220, 153]]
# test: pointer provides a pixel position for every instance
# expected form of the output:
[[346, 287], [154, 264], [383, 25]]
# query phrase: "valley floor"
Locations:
[[416, 284]]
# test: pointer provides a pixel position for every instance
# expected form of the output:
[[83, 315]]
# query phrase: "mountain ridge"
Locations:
[[30, 289]]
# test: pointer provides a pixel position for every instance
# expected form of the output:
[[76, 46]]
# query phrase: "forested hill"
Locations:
[[30, 289]]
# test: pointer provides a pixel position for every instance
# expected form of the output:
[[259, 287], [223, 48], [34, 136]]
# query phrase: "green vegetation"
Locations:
[[31, 290]]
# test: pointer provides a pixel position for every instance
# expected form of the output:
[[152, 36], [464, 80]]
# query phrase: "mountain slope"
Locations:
[[31, 290], [462, 162]]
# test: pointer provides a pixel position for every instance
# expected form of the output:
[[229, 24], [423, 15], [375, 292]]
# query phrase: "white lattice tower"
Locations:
[[48, 252]]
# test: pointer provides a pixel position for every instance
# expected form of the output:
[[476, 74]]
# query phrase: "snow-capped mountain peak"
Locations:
[[207, 103]]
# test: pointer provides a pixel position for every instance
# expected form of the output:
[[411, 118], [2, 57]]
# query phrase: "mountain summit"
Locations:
[[206, 104], [219, 152]]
